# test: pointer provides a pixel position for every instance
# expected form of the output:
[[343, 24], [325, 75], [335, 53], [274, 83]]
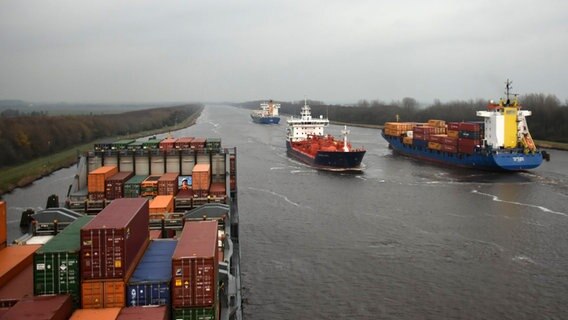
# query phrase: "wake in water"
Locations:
[[276, 194], [496, 198]]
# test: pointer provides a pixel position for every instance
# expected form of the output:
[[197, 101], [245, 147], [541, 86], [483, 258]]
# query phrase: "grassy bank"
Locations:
[[25, 174]]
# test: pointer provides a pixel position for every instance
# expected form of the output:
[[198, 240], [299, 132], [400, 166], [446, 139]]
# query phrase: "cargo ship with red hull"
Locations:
[[501, 142], [306, 141], [149, 228]]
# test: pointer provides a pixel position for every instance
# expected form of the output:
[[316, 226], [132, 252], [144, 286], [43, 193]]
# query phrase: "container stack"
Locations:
[[96, 181], [111, 246], [217, 189], [114, 186], [198, 143], [183, 143], [470, 136], [213, 144], [201, 179], [150, 282], [168, 184], [195, 272], [233, 173], [56, 264], [132, 187], [161, 205], [149, 187], [167, 144], [397, 129]]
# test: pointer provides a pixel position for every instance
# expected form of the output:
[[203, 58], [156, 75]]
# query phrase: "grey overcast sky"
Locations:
[[330, 50]]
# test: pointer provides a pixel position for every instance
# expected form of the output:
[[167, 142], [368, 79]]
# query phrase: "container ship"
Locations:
[[501, 142], [150, 230], [305, 141], [268, 113]]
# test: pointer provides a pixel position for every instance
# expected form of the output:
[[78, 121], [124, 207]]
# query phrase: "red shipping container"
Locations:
[[217, 189], [198, 143], [195, 266], [437, 138], [470, 126], [20, 286], [466, 149], [168, 184], [450, 141], [183, 143], [114, 239], [468, 142], [419, 136], [454, 126], [233, 183], [41, 308], [167, 144], [114, 186], [144, 313], [449, 148]]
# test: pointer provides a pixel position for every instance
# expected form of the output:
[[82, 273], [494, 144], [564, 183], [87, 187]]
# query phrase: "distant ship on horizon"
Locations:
[[268, 113]]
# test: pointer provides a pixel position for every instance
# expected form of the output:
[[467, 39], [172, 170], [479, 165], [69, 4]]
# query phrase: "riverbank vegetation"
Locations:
[[35, 146]]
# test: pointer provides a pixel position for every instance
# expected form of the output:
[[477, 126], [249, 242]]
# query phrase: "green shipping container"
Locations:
[[132, 186], [208, 313], [213, 144], [56, 264]]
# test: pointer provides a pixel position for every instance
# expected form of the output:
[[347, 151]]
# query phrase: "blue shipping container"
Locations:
[[150, 282]]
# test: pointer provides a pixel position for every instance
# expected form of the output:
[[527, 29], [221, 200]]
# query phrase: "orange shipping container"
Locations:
[[108, 293], [3, 229], [434, 146], [201, 177], [14, 259], [97, 177], [162, 204], [98, 314]]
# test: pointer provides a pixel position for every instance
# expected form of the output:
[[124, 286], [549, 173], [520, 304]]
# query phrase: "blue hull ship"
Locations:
[[495, 160], [268, 113], [501, 142], [265, 120]]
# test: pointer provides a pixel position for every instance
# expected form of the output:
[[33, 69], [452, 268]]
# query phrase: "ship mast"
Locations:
[[345, 132]]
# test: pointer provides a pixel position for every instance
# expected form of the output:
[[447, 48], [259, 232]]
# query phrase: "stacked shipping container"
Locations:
[[145, 313], [150, 282], [132, 187], [149, 187], [111, 245], [114, 186], [96, 181], [56, 264], [160, 205], [168, 184], [195, 269], [201, 179]]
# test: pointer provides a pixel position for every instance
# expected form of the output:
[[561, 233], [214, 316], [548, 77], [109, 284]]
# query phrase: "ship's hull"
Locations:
[[329, 160], [498, 160], [265, 120]]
